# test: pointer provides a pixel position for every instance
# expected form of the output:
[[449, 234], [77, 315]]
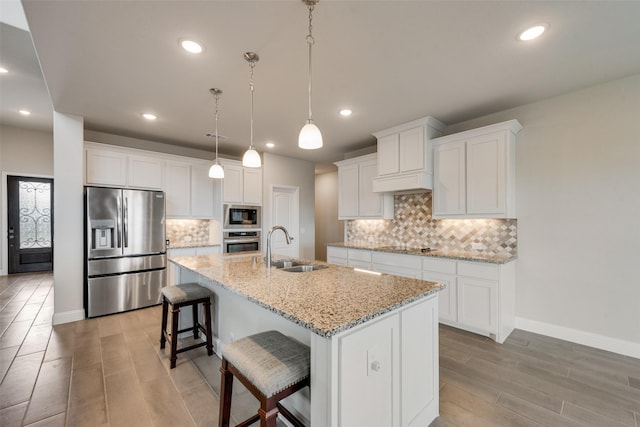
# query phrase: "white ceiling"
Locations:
[[389, 61]]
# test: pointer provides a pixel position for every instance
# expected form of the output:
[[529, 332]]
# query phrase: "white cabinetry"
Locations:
[[479, 297], [189, 190], [474, 173], [359, 258], [395, 360], [118, 168], [397, 264], [356, 199], [405, 156], [241, 185], [336, 255]]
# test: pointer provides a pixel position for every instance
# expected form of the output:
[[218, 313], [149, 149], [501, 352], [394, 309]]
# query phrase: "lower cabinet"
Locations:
[[389, 370], [479, 297], [359, 258], [336, 255]]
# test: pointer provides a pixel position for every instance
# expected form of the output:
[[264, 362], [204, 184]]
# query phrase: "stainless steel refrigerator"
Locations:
[[125, 249]]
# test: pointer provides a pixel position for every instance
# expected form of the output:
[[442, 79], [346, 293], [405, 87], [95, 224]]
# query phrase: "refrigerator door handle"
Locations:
[[126, 222], [118, 221]]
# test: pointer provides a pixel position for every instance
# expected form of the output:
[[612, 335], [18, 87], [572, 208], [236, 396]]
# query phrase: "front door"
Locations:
[[30, 224]]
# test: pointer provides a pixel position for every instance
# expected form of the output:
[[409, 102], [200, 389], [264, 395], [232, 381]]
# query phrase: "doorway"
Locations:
[[30, 224], [285, 211]]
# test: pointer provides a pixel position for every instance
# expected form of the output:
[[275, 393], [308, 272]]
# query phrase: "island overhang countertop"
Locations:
[[326, 301]]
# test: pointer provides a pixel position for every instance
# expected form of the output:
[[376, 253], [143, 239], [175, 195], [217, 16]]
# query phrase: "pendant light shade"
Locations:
[[216, 171], [310, 137], [251, 158]]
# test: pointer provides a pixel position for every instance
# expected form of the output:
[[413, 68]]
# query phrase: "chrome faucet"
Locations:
[[286, 236]]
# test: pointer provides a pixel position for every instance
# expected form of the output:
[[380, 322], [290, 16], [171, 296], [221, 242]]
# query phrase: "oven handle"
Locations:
[[241, 241]]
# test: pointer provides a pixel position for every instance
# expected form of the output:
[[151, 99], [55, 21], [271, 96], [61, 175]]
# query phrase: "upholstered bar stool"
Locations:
[[271, 366], [179, 296]]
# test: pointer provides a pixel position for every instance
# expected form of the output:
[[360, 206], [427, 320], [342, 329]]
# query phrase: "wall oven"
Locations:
[[240, 241], [239, 216]]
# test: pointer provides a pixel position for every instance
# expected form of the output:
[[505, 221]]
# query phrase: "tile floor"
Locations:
[[110, 371]]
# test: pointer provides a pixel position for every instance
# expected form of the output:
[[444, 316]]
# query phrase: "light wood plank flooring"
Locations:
[[110, 372]]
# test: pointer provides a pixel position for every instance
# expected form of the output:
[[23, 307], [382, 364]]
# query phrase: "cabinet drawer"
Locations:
[[397, 270], [335, 252], [396, 260], [359, 255], [359, 264], [439, 265], [478, 269]]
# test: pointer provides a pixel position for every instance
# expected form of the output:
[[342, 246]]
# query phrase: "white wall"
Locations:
[[329, 229], [68, 203], [22, 152], [578, 208], [286, 171]]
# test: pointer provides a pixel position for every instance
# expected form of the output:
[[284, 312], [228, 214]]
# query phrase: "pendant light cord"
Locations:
[[252, 65], [310, 42], [217, 96]]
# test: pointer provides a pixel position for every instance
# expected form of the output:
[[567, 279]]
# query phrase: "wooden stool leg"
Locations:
[[194, 310], [174, 336], [165, 309], [268, 414], [226, 389], [207, 321]]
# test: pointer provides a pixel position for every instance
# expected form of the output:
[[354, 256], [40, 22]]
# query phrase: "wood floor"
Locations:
[[110, 372]]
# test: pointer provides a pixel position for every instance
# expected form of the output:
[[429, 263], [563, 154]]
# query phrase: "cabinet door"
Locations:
[[103, 167], [233, 184], [486, 171], [369, 375], [201, 192], [388, 152], [369, 203], [178, 188], [448, 297], [449, 188], [348, 192], [145, 172], [252, 186], [477, 303], [412, 150], [337, 256]]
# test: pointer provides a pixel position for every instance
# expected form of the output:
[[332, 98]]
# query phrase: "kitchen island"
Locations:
[[373, 337]]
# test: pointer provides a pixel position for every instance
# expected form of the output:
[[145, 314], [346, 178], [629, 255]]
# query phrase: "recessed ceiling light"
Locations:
[[346, 112], [149, 116], [3, 70], [533, 32], [191, 46], [270, 144], [24, 112]]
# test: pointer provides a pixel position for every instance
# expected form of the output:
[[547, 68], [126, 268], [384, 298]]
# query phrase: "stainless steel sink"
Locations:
[[285, 263], [304, 268]]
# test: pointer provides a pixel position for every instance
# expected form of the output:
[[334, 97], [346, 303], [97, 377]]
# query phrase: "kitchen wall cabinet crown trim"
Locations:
[[356, 199], [405, 156], [474, 173]]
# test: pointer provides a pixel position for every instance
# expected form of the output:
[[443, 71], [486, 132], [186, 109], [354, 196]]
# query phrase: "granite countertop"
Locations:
[[192, 245], [326, 301], [436, 253]]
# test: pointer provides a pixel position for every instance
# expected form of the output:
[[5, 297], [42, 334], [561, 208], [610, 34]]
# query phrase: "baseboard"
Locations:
[[68, 316], [615, 345]]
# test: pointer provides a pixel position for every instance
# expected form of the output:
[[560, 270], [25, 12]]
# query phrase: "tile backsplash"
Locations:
[[414, 227], [187, 232]]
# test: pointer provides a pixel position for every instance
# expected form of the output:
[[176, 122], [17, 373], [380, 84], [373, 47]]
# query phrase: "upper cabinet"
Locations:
[[190, 193], [241, 185], [405, 156], [356, 199], [474, 173]]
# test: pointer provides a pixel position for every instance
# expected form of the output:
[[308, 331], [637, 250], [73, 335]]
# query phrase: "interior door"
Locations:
[[285, 213], [30, 224]]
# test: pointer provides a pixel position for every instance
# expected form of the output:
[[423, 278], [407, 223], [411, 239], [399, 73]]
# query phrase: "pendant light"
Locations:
[[310, 137], [251, 158], [216, 171]]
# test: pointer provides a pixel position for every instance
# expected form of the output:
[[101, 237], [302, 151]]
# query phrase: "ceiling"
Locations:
[[388, 61]]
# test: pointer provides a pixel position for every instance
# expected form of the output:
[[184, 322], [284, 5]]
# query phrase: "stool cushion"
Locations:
[[184, 293], [270, 360]]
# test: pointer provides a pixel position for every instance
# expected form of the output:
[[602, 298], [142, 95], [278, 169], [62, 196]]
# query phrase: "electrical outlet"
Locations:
[[477, 246]]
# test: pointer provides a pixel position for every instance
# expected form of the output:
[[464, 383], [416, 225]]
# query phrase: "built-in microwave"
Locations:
[[239, 216]]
